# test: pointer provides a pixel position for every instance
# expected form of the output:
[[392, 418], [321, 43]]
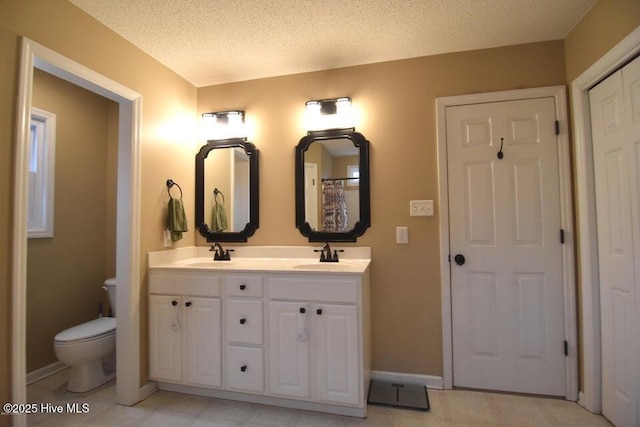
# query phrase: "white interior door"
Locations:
[[507, 297], [311, 194], [615, 121]]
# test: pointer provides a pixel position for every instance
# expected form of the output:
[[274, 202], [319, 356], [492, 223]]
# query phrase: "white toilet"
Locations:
[[89, 349]]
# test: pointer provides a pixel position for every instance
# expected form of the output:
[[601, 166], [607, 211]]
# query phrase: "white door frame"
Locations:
[[591, 395], [566, 220], [34, 55]]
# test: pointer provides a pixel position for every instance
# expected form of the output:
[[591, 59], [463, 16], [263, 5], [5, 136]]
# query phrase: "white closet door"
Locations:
[[615, 121]]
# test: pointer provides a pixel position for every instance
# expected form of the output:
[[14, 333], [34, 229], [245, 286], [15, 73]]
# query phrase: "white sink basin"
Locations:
[[324, 266], [209, 264]]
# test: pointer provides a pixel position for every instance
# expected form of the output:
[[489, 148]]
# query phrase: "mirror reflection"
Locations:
[[332, 184], [227, 201], [226, 190]]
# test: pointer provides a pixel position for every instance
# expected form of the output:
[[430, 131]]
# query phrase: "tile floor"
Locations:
[[448, 408]]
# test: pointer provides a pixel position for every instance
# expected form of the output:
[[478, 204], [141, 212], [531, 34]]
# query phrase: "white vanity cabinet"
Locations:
[[185, 331], [285, 332], [316, 338]]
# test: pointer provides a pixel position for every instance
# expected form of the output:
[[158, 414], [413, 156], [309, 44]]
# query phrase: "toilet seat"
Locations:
[[92, 330]]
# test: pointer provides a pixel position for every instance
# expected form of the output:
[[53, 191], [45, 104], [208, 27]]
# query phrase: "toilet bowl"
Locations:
[[89, 350]]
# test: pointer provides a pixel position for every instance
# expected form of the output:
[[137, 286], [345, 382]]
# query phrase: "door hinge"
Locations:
[[449, 257], [562, 236], [557, 127], [566, 348]]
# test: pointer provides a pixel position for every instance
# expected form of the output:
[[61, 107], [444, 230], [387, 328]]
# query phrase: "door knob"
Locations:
[[459, 259]]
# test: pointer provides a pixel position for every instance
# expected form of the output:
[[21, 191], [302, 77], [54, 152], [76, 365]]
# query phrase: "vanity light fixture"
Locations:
[[326, 114], [223, 125]]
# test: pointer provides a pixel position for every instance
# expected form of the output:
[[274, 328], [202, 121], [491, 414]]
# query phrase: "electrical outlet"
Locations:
[[402, 235], [166, 234], [421, 208]]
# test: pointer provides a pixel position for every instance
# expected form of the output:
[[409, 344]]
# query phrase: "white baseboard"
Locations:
[[147, 390], [430, 381], [45, 372], [359, 410], [581, 399]]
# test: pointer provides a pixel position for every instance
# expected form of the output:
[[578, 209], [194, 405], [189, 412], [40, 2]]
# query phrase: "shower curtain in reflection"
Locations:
[[334, 206]]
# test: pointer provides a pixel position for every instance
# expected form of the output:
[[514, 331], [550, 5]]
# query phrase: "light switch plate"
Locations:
[[402, 235], [421, 207]]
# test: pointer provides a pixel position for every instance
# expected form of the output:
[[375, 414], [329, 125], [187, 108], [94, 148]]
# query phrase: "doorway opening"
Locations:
[[34, 55], [568, 282], [623, 52]]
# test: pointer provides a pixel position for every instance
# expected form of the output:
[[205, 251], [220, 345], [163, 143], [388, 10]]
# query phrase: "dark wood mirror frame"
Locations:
[[254, 199], [364, 221]]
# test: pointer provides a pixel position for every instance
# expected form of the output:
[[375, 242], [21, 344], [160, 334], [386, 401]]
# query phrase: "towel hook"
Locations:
[[170, 184], [500, 153], [215, 195]]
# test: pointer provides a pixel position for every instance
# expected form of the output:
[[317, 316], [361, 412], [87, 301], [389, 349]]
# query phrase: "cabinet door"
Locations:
[[165, 340], [203, 343], [338, 361], [289, 348]]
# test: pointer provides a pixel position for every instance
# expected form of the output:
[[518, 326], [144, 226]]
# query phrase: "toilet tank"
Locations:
[[111, 288]]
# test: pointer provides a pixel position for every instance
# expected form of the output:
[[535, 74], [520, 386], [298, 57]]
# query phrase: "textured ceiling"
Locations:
[[217, 41]]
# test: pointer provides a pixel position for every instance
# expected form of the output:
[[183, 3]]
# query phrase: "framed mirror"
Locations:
[[332, 186], [227, 202]]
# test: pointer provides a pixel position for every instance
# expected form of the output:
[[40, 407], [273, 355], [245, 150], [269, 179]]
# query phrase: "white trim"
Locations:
[[147, 390], [128, 238], [581, 398], [586, 213], [431, 381], [45, 195], [559, 95], [45, 371]]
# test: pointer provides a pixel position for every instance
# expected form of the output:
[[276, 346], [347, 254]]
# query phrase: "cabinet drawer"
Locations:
[[244, 286], [310, 288], [185, 284], [245, 369], [244, 320]]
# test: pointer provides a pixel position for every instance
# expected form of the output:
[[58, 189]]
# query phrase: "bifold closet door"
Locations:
[[615, 121]]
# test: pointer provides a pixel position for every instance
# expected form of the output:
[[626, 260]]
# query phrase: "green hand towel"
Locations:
[[219, 218], [177, 220]]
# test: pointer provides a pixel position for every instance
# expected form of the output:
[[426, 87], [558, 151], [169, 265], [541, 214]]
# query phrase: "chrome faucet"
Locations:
[[326, 255], [220, 253]]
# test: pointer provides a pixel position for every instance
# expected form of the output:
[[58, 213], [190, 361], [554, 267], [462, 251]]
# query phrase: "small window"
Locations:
[[42, 149], [353, 172]]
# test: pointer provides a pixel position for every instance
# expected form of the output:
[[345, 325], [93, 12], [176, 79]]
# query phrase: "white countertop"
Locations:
[[281, 259]]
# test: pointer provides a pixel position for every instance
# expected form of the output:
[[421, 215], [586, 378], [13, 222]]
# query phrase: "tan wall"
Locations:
[[397, 104], [9, 51], [65, 273], [167, 143], [605, 25], [608, 22]]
